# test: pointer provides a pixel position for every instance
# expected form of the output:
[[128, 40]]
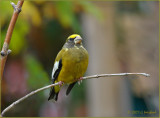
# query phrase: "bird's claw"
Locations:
[[60, 83], [80, 80]]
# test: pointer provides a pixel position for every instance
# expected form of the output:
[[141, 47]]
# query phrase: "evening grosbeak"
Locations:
[[69, 66]]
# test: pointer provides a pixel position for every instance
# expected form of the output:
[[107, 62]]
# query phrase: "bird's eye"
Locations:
[[71, 39]]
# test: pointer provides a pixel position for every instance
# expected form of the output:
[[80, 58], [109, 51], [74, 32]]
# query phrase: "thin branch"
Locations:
[[5, 51], [117, 74], [59, 83]]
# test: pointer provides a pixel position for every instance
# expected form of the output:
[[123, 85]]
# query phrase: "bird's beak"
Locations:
[[78, 40]]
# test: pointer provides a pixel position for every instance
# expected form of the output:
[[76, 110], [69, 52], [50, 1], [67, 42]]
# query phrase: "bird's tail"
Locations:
[[54, 93]]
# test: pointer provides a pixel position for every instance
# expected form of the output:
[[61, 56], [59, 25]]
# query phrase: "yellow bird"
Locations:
[[69, 66]]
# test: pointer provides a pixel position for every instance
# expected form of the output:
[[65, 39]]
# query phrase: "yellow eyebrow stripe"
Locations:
[[73, 36]]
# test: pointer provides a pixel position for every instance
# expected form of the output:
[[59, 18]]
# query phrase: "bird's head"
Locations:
[[74, 38]]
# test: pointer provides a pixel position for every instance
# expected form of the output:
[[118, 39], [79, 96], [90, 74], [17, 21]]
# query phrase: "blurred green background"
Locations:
[[119, 36]]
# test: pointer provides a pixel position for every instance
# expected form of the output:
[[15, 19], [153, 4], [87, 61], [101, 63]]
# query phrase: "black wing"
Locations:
[[53, 94]]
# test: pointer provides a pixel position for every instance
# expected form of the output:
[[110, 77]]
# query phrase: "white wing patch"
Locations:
[[55, 67]]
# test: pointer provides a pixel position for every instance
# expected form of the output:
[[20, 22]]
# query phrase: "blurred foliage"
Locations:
[[38, 35], [18, 41], [31, 13], [5, 11], [37, 75], [92, 9], [66, 12], [66, 15]]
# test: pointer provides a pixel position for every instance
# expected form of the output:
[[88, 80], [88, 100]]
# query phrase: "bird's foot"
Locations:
[[60, 83], [80, 80]]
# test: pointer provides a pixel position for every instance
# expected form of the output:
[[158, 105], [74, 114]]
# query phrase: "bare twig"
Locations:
[[58, 83], [5, 51], [117, 74]]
